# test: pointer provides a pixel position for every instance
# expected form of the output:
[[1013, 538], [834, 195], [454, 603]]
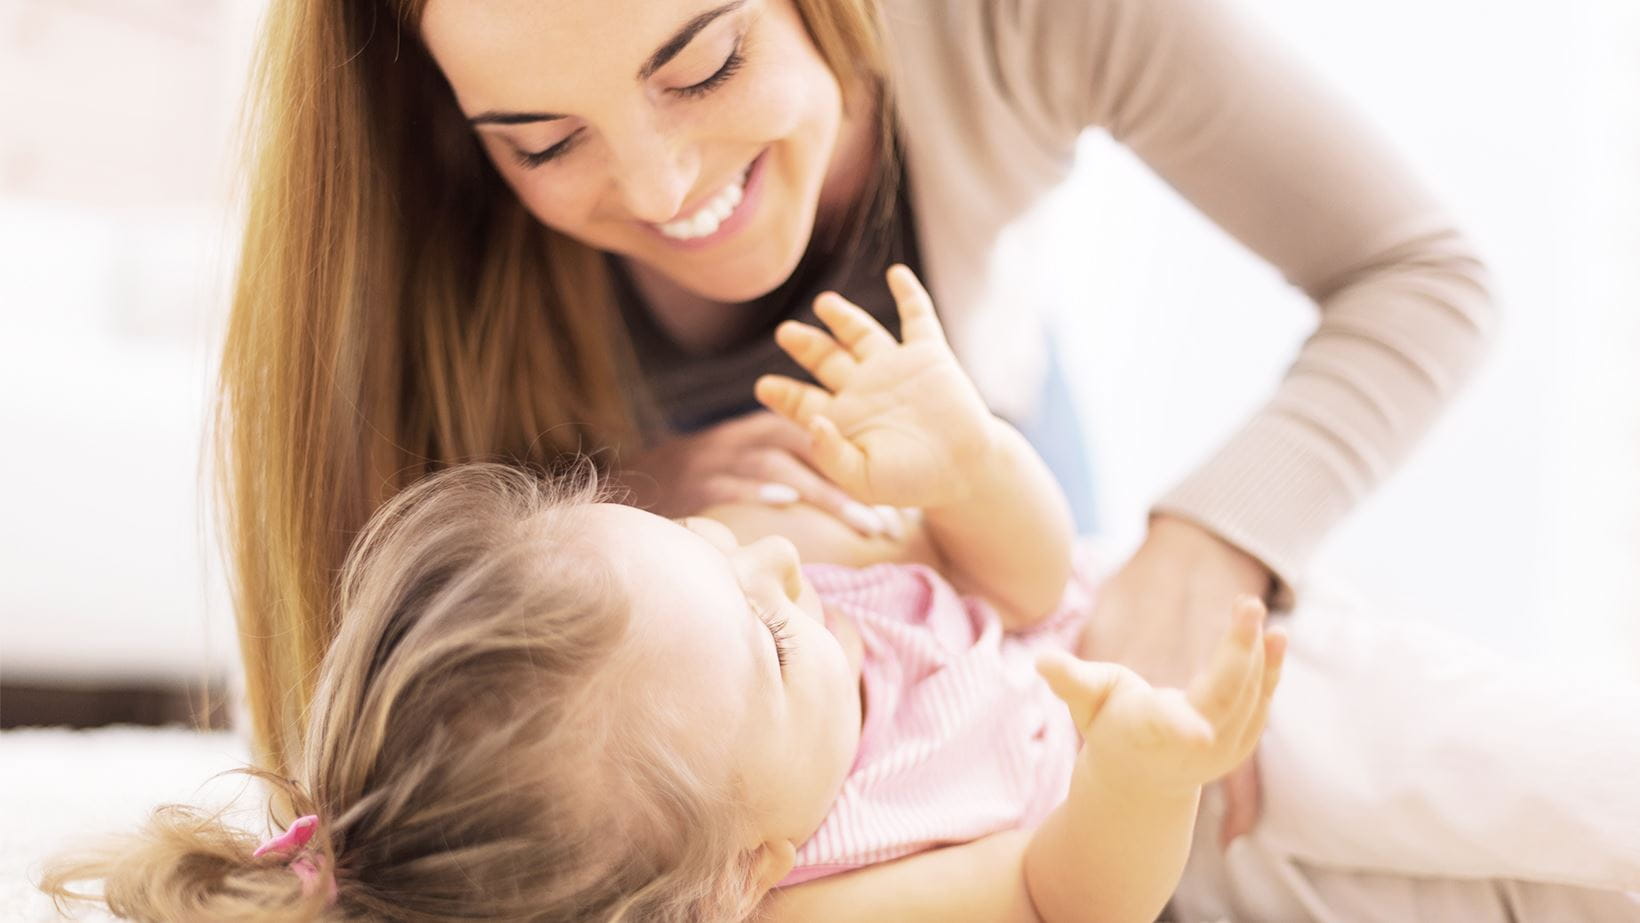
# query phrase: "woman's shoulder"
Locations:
[[1061, 65]]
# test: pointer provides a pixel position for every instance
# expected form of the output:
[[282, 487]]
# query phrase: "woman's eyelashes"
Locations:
[[531, 161], [731, 65]]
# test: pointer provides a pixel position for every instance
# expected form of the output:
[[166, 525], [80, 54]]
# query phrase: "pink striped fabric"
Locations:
[[961, 737]]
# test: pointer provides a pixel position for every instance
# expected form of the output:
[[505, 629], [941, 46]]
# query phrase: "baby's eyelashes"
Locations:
[[777, 626]]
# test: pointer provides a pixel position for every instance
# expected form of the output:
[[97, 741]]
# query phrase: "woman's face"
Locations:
[[630, 124]]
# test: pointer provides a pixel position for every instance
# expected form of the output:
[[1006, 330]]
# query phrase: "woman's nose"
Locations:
[[776, 558], [654, 175]]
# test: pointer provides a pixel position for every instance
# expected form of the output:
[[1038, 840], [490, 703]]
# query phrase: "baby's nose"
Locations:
[[778, 558]]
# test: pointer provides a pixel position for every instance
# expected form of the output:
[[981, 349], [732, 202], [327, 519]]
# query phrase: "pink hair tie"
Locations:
[[291, 846]]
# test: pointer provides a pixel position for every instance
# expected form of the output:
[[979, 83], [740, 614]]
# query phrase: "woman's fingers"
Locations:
[[1243, 801], [771, 493], [918, 321], [816, 352], [853, 327], [803, 403], [800, 482], [770, 430], [795, 400]]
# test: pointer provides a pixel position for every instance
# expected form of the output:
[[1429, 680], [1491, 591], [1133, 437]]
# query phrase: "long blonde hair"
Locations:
[[461, 752], [397, 310]]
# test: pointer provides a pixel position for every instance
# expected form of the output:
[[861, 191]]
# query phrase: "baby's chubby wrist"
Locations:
[[989, 461], [1111, 773]]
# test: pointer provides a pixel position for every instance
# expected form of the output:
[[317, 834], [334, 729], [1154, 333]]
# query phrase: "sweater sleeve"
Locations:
[[1254, 141]]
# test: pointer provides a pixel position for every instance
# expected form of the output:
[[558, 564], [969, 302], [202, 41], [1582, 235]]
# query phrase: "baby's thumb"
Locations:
[[1084, 685], [836, 457]]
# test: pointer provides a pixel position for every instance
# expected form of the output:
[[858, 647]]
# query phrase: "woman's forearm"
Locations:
[[1113, 851]]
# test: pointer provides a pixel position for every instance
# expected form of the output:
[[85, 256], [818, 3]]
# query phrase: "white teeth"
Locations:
[[710, 215]]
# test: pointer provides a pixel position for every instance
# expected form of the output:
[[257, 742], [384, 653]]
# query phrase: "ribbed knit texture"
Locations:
[[991, 97]]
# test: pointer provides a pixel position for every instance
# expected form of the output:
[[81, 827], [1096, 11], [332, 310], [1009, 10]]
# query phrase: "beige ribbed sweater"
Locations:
[[992, 95]]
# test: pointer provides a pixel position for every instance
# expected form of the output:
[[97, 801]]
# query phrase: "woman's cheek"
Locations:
[[555, 198], [798, 100], [765, 111]]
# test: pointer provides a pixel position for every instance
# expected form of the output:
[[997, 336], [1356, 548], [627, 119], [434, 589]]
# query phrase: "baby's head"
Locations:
[[538, 706]]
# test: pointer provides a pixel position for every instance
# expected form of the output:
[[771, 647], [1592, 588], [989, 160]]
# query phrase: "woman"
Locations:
[[510, 230]]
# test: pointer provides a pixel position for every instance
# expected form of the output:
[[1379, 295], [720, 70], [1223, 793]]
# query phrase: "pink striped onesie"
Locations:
[[961, 737]]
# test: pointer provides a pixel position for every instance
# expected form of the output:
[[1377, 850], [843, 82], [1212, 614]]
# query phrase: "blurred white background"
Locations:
[[1518, 522]]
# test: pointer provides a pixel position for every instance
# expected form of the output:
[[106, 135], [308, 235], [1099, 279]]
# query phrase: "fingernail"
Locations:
[[893, 525], [863, 518], [777, 494]]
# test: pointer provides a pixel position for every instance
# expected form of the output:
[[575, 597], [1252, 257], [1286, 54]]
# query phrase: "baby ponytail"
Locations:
[[187, 865]]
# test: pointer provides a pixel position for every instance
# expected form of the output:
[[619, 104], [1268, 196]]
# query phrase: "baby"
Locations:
[[541, 706]]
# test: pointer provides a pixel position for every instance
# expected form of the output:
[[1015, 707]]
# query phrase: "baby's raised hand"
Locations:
[[893, 422], [1172, 737]]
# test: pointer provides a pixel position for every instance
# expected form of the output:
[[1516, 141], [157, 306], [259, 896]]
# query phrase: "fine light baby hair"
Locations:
[[462, 758]]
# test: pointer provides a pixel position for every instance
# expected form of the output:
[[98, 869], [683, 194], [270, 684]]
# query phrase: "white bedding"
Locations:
[[1397, 754], [58, 786]]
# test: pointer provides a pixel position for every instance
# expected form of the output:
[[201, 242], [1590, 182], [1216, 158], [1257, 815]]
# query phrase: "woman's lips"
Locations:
[[739, 218]]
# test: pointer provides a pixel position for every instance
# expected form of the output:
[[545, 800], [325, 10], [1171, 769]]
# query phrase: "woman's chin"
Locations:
[[730, 278], [756, 261]]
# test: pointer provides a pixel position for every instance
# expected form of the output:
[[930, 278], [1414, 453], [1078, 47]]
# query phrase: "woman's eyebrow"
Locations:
[[665, 53], [682, 38], [512, 118]]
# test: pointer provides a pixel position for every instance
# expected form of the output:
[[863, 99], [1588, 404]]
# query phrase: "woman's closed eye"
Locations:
[[532, 160], [730, 66]]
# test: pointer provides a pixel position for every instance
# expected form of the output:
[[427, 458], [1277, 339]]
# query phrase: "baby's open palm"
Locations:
[[1175, 737], [893, 423]]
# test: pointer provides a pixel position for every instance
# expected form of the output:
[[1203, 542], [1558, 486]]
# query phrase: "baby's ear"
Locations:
[[775, 859]]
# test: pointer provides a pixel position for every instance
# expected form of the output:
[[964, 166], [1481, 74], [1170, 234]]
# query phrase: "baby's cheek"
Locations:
[[848, 641]]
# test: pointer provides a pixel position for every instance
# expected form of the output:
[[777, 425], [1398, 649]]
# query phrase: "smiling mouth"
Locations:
[[710, 216]]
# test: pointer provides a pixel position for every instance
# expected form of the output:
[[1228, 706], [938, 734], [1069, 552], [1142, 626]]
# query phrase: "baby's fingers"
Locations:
[[1225, 689], [1083, 685], [1275, 654], [855, 329], [795, 400], [838, 458], [816, 352], [918, 321]]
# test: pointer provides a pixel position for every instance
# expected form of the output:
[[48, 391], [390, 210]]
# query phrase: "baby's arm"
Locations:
[[982, 881], [901, 424], [1115, 848], [1120, 839], [1009, 539]]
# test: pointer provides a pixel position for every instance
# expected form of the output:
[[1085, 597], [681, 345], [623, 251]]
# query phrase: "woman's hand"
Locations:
[[1160, 614], [1175, 739], [893, 422], [757, 458]]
